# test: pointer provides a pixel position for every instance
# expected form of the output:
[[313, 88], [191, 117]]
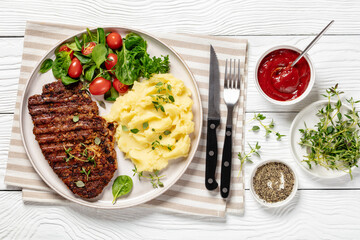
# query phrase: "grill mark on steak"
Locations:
[[52, 113]]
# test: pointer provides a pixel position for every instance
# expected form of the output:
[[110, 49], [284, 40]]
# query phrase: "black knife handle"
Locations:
[[226, 163], [211, 154]]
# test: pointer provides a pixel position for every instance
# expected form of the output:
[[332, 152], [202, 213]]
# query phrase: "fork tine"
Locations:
[[234, 77], [226, 76], [239, 75], [230, 75]]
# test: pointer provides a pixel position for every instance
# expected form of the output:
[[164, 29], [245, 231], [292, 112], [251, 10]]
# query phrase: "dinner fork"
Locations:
[[231, 97]]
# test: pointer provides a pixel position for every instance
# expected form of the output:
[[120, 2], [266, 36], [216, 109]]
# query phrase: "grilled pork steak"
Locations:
[[78, 151]]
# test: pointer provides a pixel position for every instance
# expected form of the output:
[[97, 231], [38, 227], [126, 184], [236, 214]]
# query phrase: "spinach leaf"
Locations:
[[133, 40], [83, 59], [46, 65], [66, 80], [100, 36], [111, 95], [99, 54], [61, 64], [89, 74], [77, 43], [121, 186], [73, 46]]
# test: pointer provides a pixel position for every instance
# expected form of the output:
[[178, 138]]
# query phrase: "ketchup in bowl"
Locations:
[[279, 80]]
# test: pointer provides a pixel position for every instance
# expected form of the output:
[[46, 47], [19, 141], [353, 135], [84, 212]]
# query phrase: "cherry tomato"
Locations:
[[114, 40], [75, 68], [119, 86], [99, 86], [88, 49], [65, 48], [111, 61]]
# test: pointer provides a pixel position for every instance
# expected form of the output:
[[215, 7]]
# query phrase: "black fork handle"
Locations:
[[226, 157]]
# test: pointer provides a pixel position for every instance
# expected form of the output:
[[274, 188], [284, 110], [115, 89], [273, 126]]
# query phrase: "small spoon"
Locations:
[[312, 43]]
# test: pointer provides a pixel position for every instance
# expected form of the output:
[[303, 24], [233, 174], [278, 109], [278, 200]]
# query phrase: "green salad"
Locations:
[[105, 63]]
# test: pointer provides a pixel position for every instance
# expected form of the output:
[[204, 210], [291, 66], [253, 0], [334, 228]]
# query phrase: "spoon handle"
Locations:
[[312, 43]]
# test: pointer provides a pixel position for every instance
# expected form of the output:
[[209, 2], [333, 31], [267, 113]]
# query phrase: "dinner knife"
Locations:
[[213, 121]]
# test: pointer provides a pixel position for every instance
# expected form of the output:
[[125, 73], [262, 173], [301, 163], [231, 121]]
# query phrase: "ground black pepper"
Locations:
[[273, 182]]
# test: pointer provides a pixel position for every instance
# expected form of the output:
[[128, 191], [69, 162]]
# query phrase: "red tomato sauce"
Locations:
[[279, 80]]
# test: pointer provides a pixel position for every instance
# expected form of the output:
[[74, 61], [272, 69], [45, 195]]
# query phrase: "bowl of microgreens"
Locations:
[[325, 137]]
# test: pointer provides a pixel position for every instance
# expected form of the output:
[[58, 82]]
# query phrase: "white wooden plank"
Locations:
[[211, 17], [334, 63], [311, 215]]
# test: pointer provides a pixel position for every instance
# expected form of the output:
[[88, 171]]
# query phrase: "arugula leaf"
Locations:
[[121, 186], [100, 36], [99, 54], [77, 43], [61, 64], [46, 65]]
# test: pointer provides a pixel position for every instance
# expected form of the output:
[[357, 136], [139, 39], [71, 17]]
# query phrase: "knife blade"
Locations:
[[213, 121]]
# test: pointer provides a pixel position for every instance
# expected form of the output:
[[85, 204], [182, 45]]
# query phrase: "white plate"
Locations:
[[308, 115], [142, 191]]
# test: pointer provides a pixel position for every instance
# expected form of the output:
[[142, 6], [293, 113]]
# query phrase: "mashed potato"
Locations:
[[155, 120]]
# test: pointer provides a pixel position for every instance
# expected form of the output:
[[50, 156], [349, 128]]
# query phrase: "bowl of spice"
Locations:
[[273, 183]]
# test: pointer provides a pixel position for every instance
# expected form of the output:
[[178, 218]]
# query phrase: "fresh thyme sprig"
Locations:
[[87, 173], [163, 96], [155, 179], [268, 128], [85, 154], [334, 143], [247, 156]]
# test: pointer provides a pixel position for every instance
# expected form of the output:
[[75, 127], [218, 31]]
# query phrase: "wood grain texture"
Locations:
[[333, 62], [225, 17], [312, 215]]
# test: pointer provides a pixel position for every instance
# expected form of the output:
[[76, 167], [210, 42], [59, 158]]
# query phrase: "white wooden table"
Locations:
[[321, 209]]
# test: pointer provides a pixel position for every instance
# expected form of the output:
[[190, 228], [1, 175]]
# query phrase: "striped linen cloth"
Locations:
[[189, 194]]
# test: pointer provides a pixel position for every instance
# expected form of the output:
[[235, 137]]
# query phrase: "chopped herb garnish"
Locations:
[[85, 153], [153, 129], [154, 178], [145, 125], [160, 137], [80, 184], [97, 141], [167, 132], [76, 118], [124, 128], [134, 130], [87, 173]]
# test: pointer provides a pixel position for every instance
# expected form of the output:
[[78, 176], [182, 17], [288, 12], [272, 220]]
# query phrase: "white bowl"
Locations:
[[276, 204], [289, 102]]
